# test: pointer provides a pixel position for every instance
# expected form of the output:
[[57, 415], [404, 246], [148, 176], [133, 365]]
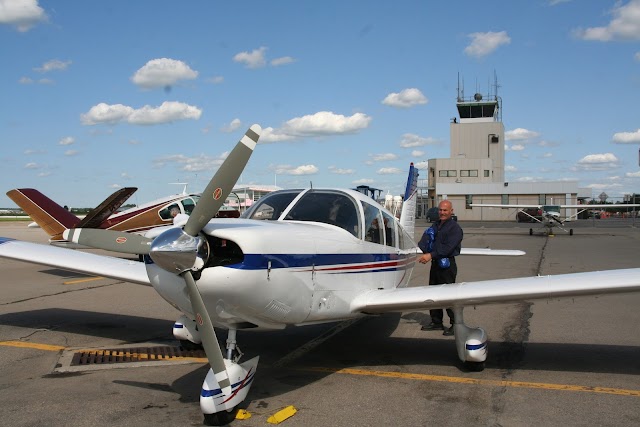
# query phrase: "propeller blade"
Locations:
[[116, 241], [222, 182], [208, 335]]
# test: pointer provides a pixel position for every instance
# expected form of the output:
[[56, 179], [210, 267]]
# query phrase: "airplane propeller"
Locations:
[[180, 250]]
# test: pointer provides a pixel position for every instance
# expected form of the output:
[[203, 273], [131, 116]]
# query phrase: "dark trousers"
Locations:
[[441, 276]]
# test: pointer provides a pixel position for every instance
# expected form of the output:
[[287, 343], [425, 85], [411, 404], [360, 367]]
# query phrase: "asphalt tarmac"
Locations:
[[570, 362]]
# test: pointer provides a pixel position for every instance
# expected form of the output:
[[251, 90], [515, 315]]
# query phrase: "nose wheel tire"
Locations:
[[531, 232]]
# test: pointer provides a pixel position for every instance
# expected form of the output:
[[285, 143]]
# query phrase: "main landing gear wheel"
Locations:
[[531, 232], [474, 366], [571, 232]]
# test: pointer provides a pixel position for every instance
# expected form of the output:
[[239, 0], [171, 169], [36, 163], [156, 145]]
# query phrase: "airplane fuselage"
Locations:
[[303, 261]]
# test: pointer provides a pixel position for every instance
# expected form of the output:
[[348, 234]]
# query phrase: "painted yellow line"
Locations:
[[23, 344], [462, 380], [90, 279]]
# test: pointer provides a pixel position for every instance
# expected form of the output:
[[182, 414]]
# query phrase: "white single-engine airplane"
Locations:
[[550, 214], [297, 257]]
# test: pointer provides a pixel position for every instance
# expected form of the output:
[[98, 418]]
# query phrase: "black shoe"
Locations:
[[448, 332], [432, 327]]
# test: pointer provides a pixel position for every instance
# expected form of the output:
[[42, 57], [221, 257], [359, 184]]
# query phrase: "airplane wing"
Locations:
[[498, 291], [489, 251], [496, 205], [81, 262], [598, 206]]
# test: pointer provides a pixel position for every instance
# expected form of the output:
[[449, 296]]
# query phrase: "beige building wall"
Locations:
[[479, 140]]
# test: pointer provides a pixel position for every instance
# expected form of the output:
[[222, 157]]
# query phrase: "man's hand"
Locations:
[[425, 258]]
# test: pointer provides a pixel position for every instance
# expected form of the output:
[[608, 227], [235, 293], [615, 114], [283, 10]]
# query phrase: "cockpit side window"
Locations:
[[372, 221], [327, 207], [168, 212], [405, 241], [271, 206], [188, 205], [389, 229]]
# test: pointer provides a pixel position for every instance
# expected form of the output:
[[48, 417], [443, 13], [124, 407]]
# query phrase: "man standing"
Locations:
[[441, 243]]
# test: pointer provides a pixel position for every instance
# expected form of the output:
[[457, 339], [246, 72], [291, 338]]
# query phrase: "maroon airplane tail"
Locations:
[[49, 215]]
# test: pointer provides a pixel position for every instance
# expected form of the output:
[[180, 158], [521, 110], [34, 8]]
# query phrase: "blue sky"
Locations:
[[101, 95]]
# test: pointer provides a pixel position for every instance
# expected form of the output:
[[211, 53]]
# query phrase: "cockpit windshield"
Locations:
[[329, 207], [271, 206]]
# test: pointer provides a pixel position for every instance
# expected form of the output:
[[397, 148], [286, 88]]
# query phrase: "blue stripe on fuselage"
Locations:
[[5, 240], [261, 261]]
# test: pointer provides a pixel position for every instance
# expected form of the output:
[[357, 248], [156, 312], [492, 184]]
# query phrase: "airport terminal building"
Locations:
[[474, 171]]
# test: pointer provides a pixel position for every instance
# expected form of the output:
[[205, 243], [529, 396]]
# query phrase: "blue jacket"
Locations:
[[447, 242]]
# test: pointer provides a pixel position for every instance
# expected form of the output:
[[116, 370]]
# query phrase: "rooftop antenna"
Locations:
[[460, 89]]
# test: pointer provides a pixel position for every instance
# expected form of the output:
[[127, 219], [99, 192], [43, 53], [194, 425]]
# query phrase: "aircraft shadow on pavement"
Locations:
[[105, 325], [65, 273]]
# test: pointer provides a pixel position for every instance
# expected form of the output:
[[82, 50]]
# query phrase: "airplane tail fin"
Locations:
[[408, 214], [49, 215], [106, 208]]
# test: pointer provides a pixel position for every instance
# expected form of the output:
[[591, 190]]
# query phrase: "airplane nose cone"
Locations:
[[175, 251]]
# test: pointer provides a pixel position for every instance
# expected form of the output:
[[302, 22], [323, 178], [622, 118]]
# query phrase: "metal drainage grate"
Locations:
[[137, 354]]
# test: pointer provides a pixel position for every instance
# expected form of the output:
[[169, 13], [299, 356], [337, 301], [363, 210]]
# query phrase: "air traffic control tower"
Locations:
[[474, 172], [480, 133]]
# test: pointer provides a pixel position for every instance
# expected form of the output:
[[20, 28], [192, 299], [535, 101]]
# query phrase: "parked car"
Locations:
[[521, 216], [432, 215]]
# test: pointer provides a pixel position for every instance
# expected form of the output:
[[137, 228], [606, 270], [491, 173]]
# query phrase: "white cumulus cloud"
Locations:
[[389, 171], [323, 123], [520, 134], [282, 61], [191, 164], [162, 72], [627, 137], [405, 99], [598, 162], [625, 25], [169, 111], [234, 125], [410, 140], [53, 65], [22, 14], [253, 59], [340, 171], [296, 170], [483, 44]]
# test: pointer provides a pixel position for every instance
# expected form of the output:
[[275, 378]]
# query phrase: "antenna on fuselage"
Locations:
[[184, 189]]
